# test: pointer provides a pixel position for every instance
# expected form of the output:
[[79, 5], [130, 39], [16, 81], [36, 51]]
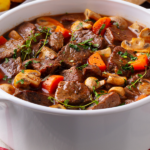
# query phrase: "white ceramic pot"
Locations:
[[27, 126]]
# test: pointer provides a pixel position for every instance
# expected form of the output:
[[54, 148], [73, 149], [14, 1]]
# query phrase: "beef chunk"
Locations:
[[34, 97], [46, 67], [131, 94], [92, 71], [77, 93], [12, 67], [115, 36], [26, 29], [72, 74], [83, 35], [71, 57], [117, 62], [7, 50], [56, 41], [111, 99], [135, 77], [72, 17], [35, 48]]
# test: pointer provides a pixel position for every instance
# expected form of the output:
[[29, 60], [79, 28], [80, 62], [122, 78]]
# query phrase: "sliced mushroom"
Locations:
[[122, 23], [27, 79], [116, 80], [145, 34], [107, 74], [89, 14], [119, 90], [8, 88], [105, 52], [48, 22], [135, 28], [47, 53], [91, 82], [136, 44], [59, 106], [79, 25], [14, 35], [144, 87]]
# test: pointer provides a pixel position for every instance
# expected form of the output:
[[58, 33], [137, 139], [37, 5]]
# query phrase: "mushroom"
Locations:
[[145, 34], [8, 88], [144, 87], [14, 35], [91, 82], [27, 79], [105, 52], [79, 25], [59, 106], [122, 23], [116, 80], [135, 28], [48, 22], [47, 53], [89, 14], [119, 90], [136, 44], [107, 74]]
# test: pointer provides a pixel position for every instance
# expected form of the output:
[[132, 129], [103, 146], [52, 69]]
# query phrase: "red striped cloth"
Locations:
[[3, 146]]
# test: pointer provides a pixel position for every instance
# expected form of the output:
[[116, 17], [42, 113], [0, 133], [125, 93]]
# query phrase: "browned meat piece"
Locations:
[[34, 97], [56, 41], [35, 48], [115, 36], [72, 74], [92, 71], [83, 35], [26, 29], [117, 62], [71, 57], [131, 94], [135, 77], [12, 67], [7, 50], [72, 17], [77, 93], [46, 67], [111, 99]]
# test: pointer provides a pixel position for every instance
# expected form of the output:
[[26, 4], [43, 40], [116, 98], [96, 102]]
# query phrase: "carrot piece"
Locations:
[[51, 83], [140, 63], [1, 76], [141, 97], [96, 59], [100, 25], [65, 32], [2, 40]]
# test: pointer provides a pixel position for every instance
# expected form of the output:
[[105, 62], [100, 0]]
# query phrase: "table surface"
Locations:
[[4, 146]]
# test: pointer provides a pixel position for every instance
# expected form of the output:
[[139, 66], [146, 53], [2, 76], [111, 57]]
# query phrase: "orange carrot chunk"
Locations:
[[51, 83], [100, 25], [96, 59], [65, 32], [141, 97], [2, 40], [140, 63]]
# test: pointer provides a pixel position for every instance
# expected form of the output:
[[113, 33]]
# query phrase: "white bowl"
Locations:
[[27, 126]]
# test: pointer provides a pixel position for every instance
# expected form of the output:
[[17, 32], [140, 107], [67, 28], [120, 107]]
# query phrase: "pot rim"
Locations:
[[7, 97]]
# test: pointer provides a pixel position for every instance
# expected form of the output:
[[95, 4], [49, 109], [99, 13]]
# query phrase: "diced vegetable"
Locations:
[[14, 35], [48, 22], [105, 52], [141, 97], [89, 14], [65, 32], [2, 40], [7, 88], [52, 82], [140, 63], [96, 59], [4, 5], [100, 25]]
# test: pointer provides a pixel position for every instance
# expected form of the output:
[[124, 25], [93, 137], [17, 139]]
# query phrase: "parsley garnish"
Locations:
[[10, 80], [20, 81], [29, 62], [50, 64], [119, 72], [5, 78], [128, 67], [101, 28], [34, 61], [82, 67], [80, 25], [116, 24], [6, 60], [15, 54], [75, 47], [22, 71]]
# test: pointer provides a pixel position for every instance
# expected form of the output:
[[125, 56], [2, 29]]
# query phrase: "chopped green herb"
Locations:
[[34, 61], [22, 71], [9, 81], [50, 64], [29, 62], [86, 41], [97, 82], [6, 60], [101, 28], [64, 52], [82, 67], [139, 75], [119, 72], [116, 24], [15, 54], [5, 78], [66, 102], [20, 81], [61, 61], [128, 67], [75, 47], [80, 25]]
